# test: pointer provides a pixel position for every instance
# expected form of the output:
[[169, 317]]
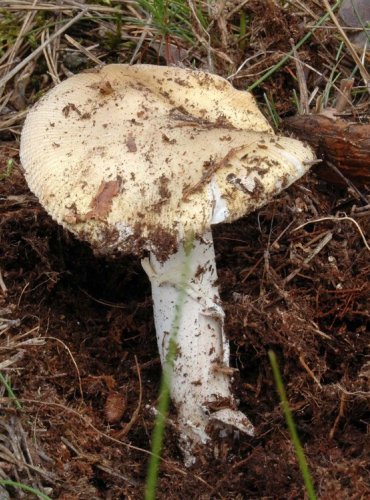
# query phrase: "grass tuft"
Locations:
[[169, 18]]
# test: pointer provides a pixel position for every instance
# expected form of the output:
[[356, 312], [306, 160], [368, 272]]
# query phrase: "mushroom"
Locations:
[[135, 159]]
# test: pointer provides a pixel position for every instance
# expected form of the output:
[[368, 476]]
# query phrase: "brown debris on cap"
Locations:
[[131, 158]]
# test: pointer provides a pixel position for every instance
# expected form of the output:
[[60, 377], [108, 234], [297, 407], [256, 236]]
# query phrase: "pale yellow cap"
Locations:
[[132, 158]]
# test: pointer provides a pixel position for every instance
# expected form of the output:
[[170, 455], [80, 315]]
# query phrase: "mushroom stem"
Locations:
[[201, 376]]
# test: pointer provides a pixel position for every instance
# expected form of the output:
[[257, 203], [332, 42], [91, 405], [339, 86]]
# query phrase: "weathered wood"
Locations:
[[344, 143]]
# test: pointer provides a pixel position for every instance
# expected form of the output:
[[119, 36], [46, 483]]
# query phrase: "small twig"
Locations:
[[343, 100], [2, 284], [5, 324], [307, 9], [247, 60], [365, 75], [12, 360], [85, 421], [339, 416], [22, 293], [14, 6], [82, 49], [347, 181], [120, 434], [236, 9], [107, 303], [316, 251], [10, 55], [361, 394], [310, 163], [337, 219], [73, 361], [53, 72], [95, 459], [309, 371], [12, 119], [140, 42], [316, 329], [303, 92], [207, 45], [40, 48], [256, 264], [360, 210], [298, 45]]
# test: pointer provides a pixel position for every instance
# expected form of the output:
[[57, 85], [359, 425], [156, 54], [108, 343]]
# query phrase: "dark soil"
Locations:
[[95, 319]]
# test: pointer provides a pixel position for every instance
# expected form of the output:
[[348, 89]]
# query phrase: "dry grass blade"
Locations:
[[140, 42], [82, 49], [99, 462], [327, 238], [3, 286], [49, 55], [11, 54], [303, 92], [364, 73], [17, 459], [68, 7], [200, 29], [135, 415], [73, 361], [338, 219], [39, 49], [12, 347]]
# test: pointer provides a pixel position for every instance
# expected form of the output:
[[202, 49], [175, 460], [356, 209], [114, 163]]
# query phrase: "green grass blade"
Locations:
[[272, 111], [242, 30], [168, 18], [10, 392], [296, 101], [292, 428], [24, 487], [286, 58], [164, 392], [8, 170]]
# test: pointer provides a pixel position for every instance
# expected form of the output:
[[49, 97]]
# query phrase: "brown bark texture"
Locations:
[[344, 143]]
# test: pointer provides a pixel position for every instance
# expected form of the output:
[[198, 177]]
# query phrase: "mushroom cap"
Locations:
[[133, 158]]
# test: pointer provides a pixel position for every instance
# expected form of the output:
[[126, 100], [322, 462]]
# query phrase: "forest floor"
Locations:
[[76, 331]]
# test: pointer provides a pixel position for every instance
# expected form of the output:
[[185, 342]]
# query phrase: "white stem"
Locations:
[[200, 382]]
